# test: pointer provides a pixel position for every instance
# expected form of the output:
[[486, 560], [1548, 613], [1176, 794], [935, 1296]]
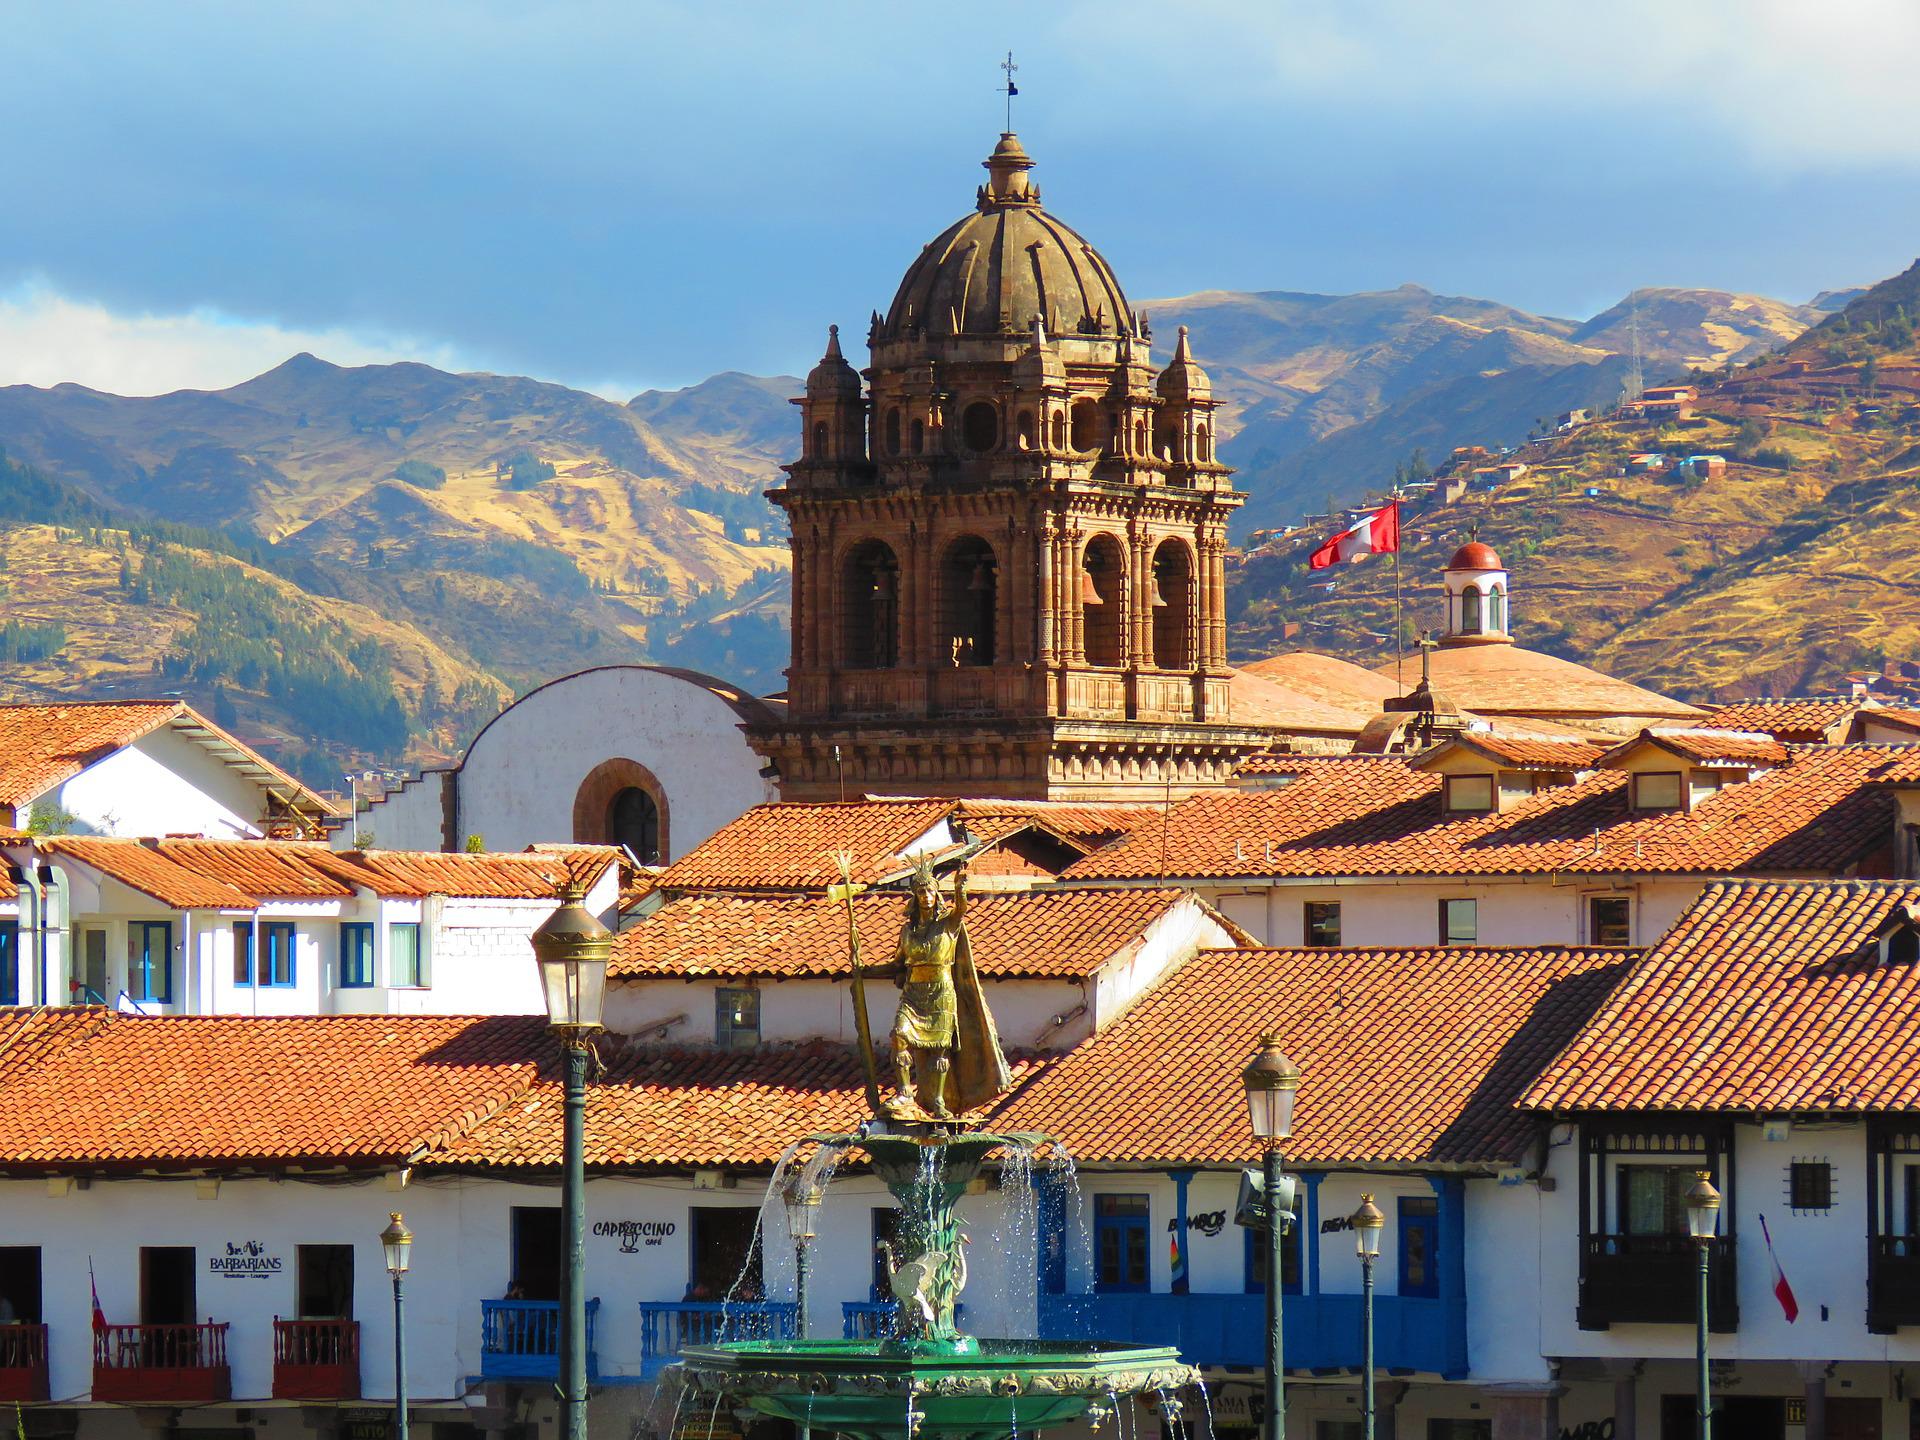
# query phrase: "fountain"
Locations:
[[929, 1381]]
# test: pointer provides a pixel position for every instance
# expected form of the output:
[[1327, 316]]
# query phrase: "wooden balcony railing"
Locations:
[[23, 1363], [520, 1339], [316, 1359], [1652, 1279], [185, 1364], [668, 1325]]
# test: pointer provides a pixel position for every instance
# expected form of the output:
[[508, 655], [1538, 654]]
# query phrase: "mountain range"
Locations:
[[504, 530]]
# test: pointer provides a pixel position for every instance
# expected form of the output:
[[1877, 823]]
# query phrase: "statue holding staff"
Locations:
[[946, 1051]]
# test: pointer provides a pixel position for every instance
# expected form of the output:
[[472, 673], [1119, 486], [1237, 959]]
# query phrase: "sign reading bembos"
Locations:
[[632, 1234], [244, 1260]]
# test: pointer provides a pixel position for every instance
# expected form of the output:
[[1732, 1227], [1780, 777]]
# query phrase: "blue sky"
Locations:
[[634, 194]]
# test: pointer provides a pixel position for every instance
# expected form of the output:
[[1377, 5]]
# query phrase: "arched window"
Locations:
[[919, 437], [1497, 611], [1140, 437], [969, 587], [1203, 444], [1059, 430], [870, 608], [893, 432], [1172, 606], [1086, 425], [633, 820], [819, 439], [1103, 601], [980, 427], [1023, 429], [1471, 622]]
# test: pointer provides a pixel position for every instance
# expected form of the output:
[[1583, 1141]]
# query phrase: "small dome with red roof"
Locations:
[[1475, 556]]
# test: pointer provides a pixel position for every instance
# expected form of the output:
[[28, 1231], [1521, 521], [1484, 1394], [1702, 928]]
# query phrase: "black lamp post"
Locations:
[[397, 1241], [572, 948], [1703, 1219], [1271, 1080], [1367, 1224]]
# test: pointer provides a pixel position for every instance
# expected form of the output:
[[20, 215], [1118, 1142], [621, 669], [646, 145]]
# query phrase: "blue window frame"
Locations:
[[356, 955], [1420, 1246], [243, 953], [275, 953], [1256, 1271], [1122, 1244], [150, 960], [9, 965]]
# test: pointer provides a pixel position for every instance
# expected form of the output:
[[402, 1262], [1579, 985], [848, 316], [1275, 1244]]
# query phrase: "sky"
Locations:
[[634, 194]]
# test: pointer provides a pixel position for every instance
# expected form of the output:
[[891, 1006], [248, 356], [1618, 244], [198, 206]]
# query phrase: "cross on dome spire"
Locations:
[[1012, 89]]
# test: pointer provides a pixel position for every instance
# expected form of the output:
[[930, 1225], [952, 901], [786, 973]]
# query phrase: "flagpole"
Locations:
[[1399, 678]]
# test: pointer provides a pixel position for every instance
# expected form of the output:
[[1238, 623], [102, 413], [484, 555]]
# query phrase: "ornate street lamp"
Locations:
[[1367, 1225], [572, 948], [1703, 1220], [397, 1241], [1270, 1080]]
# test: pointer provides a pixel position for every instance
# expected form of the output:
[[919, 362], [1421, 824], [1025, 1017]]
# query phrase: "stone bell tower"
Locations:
[[1008, 546]]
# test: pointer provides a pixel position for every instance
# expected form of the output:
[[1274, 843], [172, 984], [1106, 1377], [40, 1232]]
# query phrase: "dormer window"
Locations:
[[1902, 947], [1468, 794], [1658, 790]]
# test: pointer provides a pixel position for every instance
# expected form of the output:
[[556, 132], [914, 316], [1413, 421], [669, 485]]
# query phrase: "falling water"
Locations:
[[1206, 1403], [819, 1171], [1016, 1229]]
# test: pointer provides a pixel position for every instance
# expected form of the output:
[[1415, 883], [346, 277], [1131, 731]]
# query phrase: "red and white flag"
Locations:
[[99, 1315], [1782, 1291], [1375, 533]]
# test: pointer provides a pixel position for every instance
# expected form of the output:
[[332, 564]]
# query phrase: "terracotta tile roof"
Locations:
[[1804, 720], [1410, 1056], [1508, 679], [676, 1107], [1023, 934], [1086, 824], [105, 1090], [1376, 815], [1520, 752], [42, 745], [192, 874], [153, 873], [1762, 997], [1705, 747], [1269, 702], [790, 846], [1899, 719]]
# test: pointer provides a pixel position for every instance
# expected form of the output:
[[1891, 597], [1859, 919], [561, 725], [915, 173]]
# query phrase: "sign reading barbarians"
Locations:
[[244, 1260]]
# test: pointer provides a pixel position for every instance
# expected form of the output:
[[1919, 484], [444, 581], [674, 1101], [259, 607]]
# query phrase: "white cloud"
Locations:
[[1795, 85], [47, 338]]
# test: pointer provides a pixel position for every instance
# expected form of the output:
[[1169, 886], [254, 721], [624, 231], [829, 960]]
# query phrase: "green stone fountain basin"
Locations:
[[894, 1390]]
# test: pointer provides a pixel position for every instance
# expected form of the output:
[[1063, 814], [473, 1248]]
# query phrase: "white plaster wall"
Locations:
[[1503, 1272], [405, 819], [1168, 942], [1824, 1255], [164, 784], [519, 778], [1534, 910], [793, 1010]]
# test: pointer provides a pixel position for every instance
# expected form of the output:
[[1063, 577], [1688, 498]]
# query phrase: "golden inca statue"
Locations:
[[946, 1051]]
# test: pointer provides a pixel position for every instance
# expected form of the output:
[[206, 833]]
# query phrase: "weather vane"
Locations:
[[1012, 89]]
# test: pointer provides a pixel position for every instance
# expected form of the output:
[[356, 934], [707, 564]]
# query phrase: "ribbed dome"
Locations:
[[994, 271]]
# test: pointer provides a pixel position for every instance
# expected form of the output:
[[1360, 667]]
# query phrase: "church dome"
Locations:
[[992, 272], [1475, 556]]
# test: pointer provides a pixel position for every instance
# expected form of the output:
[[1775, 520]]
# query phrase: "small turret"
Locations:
[[1183, 379], [833, 378]]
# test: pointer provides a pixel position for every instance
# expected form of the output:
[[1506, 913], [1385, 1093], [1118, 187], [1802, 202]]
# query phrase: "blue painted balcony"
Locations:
[[1229, 1331], [668, 1325], [879, 1319], [520, 1340]]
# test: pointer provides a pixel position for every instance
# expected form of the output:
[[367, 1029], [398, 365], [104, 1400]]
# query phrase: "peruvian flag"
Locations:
[[1782, 1291], [99, 1315], [1376, 533]]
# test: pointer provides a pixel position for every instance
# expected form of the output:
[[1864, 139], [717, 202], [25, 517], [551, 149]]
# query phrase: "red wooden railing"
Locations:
[[23, 1347], [316, 1342], [160, 1347]]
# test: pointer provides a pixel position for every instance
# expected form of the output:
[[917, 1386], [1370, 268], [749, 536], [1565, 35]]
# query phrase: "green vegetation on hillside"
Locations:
[[420, 474]]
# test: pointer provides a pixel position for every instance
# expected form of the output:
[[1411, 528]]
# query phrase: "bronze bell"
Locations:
[[1089, 592]]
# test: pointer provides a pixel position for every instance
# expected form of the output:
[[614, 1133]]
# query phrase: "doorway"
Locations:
[[725, 1261], [20, 1284], [324, 1276], [1751, 1417], [167, 1295], [1853, 1417], [90, 964], [1419, 1245], [536, 1252]]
